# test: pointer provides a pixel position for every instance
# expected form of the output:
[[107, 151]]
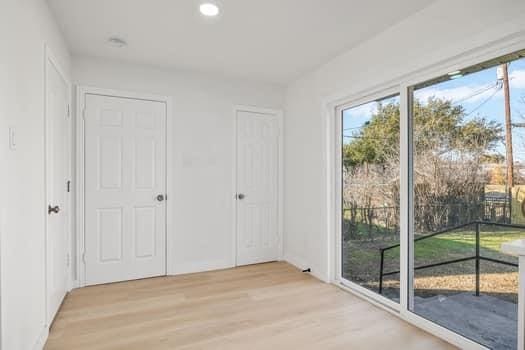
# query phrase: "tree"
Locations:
[[449, 149], [377, 141], [439, 126], [497, 176]]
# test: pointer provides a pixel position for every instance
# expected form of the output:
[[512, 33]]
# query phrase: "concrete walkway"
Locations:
[[484, 319]]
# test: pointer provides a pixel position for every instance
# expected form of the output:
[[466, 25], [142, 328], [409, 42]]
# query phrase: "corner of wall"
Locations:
[[295, 261]]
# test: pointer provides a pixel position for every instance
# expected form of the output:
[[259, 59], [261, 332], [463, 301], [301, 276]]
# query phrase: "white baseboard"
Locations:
[[194, 267], [71, 284], [42, 338], [295, 261], [319, 276], [302, 265], [181, 269]]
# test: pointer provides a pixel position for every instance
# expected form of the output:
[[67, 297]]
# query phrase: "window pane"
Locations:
[[370, 183], [469, 185]]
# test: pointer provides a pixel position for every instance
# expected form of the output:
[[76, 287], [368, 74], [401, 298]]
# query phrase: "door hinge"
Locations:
[[68, 186], [84, 113], [68, 111], [68, 260], [84, 257]]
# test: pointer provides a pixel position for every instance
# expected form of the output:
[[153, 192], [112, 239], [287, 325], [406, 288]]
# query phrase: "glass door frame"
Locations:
[[383, 93], [333, 107]]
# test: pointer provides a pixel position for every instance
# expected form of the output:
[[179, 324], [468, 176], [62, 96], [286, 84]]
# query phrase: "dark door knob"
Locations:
[[55, 209], [240, 196], [160, 197]]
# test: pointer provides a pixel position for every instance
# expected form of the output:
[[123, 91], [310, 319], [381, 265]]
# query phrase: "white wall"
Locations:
[[441, 31], [203, 129], [25, 25]]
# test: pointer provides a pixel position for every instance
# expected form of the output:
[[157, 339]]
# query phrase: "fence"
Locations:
[[377, 222]]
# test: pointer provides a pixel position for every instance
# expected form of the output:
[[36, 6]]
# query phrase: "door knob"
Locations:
[[240, 196], [55, 209], [160, 197]]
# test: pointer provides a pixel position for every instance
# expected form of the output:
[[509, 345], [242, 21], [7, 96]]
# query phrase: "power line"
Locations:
[[498, 88], [365, 124], [354, 128], [478, 92]]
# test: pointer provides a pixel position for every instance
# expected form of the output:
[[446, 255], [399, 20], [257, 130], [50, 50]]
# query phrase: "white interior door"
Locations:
[[57, 172], [258, 136], [125, 186]]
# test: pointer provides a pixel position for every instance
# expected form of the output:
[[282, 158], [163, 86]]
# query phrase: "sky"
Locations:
[[478, 93]]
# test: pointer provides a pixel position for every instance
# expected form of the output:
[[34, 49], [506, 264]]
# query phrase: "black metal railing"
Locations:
[[477, 257]]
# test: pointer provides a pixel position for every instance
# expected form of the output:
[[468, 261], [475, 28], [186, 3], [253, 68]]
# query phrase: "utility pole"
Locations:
[[503, 74], [508, 126]]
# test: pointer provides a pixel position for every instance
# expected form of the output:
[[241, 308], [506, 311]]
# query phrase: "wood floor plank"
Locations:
[[267, 306]]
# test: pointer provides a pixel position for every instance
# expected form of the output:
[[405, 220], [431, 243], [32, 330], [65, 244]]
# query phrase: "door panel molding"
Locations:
[[81, 93], [278, 114]]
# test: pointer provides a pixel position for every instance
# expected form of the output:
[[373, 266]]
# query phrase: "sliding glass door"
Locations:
[[462, 188], [370, 196], [468, 191]]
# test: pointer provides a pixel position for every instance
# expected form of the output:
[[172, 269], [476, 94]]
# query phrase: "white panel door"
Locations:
[[125, 186], [57, 164], [257, 188]]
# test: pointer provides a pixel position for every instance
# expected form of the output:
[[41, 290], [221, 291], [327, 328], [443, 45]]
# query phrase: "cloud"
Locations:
[[471, 93], [363, 111], [517, 79], [461, 94], [467, 94]]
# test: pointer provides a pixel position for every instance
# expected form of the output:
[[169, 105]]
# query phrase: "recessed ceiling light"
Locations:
[[117, 42], [455, 76], [209, 9], [456, 72]]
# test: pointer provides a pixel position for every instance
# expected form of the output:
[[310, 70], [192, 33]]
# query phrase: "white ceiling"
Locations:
[[265, 40]]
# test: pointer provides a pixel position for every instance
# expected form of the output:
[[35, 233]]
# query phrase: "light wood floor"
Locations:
[[269, 306]]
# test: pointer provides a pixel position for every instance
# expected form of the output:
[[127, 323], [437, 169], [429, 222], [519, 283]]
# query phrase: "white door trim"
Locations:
[[82, 91], [51, 58], [280, 195]]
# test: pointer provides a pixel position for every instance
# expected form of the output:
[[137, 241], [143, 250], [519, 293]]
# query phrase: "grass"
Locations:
[[448, 246], [361, 258], [463, 244]]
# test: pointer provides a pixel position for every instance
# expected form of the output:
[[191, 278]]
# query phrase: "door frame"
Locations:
[[280, 181], [82, 91], [51, 59], [402, 84]]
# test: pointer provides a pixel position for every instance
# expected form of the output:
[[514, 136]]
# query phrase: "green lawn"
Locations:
[[361, 258], [461, 244]]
